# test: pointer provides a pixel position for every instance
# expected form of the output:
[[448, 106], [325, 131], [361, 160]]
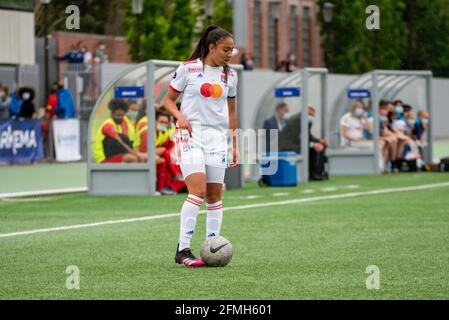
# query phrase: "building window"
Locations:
[[273, 25], [293, 32], [306, 36], [256, 34]]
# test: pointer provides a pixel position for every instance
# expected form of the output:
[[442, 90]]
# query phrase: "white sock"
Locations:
[[189, 212], [214, 219]]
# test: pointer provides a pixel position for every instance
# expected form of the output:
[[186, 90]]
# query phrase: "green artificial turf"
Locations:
[[312, 250]]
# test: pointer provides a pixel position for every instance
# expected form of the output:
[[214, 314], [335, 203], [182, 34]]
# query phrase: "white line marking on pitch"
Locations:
[[252, 197], [42, 192], [353, 186], [329, 189], [249, 206], [280, 194], [27, 199], [308, 191]]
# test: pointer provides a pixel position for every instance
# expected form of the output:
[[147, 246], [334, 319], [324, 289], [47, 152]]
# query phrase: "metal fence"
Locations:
[[84, 81]]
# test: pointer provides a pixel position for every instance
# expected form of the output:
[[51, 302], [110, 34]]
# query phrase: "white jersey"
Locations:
[[355, 126], [205, 93]]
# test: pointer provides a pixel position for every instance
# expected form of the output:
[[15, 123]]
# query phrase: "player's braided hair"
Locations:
[[212, 34]]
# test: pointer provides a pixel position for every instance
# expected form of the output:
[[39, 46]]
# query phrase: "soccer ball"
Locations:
[[216, 251]]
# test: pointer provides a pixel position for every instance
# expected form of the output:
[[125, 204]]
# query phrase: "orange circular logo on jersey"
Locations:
[[208, 90]]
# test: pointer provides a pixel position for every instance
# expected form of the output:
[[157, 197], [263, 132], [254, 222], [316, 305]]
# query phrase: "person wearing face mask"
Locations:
[[398, 120], [170, 179], [411, 120], [317, 147], [112, 142], [27, 110], [353, 125], [396, 132], [5, 102], [421, 124], [133, 112], [100, 55], [168, 174], [131, 117], [388, 142]]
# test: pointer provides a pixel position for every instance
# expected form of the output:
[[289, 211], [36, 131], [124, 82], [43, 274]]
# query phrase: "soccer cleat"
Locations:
[[168, 191], [187, 258]]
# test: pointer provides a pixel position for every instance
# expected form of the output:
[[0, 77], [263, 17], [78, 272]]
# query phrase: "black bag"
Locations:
[[444, 164]]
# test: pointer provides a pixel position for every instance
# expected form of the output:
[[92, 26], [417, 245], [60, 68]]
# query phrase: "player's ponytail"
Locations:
[[212, 34], [202, 48]]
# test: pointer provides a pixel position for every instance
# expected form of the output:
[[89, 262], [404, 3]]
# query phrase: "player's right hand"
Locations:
[[183, 123]]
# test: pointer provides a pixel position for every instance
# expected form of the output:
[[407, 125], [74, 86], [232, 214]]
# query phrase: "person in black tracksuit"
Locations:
[[289, 140]]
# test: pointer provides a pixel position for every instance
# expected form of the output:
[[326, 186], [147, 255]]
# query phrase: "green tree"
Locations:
[[414, 34], [182, 21], [427, 44], [351, 48], [96, 16], [222, 15], [166, 30]]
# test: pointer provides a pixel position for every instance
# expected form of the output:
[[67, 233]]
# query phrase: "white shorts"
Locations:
[[206, 153]]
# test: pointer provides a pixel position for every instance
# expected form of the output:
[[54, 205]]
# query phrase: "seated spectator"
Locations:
[[289, 140], [27, 109], [421, 124], [133, 112], [353, 125], [398, 120], [169, 175], [407, 109], [5, 102], [402, 148], [317, 148], [407, 148], [388, 143], [409, 118], [112, 142]]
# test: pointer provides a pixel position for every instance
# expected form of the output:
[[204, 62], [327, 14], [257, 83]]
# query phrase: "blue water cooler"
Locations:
[[286, 173]]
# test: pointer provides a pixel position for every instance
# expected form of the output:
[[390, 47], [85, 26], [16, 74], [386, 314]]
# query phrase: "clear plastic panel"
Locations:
[[134, 78], [351, 129]]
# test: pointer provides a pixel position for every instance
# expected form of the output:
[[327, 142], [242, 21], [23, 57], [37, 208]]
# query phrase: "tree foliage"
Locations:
[[166, 29], [96, 16], [413, 34]]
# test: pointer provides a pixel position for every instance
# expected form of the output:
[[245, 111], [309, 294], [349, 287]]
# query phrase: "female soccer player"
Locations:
[[207, 113]]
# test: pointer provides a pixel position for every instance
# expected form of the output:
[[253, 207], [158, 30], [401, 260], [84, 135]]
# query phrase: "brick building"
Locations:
[[276, 30], [116, 47]]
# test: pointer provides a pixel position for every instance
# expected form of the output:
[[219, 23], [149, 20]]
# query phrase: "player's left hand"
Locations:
[[235, 158]]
